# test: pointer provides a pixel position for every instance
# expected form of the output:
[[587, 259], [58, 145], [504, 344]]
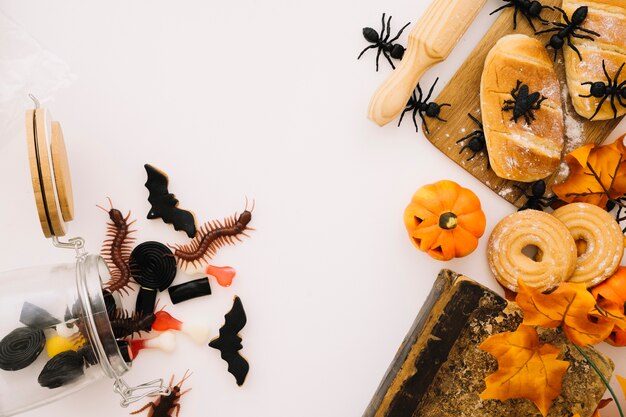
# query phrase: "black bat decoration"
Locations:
[[229, 342], [165, 205]]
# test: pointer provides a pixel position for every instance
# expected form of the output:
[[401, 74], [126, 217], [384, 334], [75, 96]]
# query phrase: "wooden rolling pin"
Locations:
[[432, 39]]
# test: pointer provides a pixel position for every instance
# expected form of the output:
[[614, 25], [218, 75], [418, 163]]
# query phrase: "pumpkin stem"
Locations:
[[448, 221]]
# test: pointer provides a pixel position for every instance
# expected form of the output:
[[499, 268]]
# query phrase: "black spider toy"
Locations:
[[476, 142], [529, 9], [383, 43], [536, 200], [421, 106], [523, 103], [611, 89], [568, 30]]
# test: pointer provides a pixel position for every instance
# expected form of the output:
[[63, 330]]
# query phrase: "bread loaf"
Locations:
[[529, 148], [608, 18]]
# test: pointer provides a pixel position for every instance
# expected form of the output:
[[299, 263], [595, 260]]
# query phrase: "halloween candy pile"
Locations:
[[138, 273]]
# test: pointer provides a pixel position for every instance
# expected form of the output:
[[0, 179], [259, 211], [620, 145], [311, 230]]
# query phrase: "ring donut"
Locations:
[[556, 250], [599, 241]]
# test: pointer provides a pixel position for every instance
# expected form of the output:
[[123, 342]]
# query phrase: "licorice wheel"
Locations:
[[20, 348], [62, 369], [153, 266]]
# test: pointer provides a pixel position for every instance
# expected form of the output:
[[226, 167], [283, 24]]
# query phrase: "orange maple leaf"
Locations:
[[596, 174], [614, 288], [568, 307], [613, 312], [526, 368], [613, 292]]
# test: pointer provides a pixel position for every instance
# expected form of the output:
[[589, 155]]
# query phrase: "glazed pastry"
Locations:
[[608, 18], [599, 240], [556, 250], [524, 135]]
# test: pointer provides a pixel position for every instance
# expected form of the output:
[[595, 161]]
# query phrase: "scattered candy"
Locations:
[[36, 317], [229, 342], [145, 304], [165, 342], [20, 348], [189, 290], [164, 321], [125, 351], [66, 330], [87, 353], [153, 265], [62, 369], [57, 344], [223, 274], [165, 205]]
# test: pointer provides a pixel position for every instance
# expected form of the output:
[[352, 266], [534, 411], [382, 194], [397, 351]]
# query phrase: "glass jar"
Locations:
[[60, 310]]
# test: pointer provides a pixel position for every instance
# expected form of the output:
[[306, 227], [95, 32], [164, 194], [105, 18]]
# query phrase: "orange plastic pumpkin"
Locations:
[[445, 220]]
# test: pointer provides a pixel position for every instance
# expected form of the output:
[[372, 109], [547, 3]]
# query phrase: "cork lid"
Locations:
[[50, 173]]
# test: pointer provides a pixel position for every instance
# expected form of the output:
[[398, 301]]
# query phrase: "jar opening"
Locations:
[[91, 273]]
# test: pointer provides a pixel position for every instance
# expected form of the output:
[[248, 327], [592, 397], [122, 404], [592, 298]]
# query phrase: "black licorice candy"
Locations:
[[229, 341], [36, 317], [88, 355], [188, 290], [153, 265], [146, 301], [62, 369], [109, 302], [125, 351], [20, 348]]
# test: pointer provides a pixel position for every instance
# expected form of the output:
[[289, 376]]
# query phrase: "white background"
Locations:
[[263, 99]]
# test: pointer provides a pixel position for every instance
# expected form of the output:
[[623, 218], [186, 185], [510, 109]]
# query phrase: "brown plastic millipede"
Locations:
[[126, 324], [116, 249], [211, 236]]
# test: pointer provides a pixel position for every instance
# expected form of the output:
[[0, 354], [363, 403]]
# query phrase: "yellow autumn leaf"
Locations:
[[526, 368], [568, 307]]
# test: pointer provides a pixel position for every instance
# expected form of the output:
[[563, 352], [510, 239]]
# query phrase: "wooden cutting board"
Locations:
[[462, 92]]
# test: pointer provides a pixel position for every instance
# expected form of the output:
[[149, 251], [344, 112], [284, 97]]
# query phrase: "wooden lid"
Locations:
[[49, 171], [62, 176]]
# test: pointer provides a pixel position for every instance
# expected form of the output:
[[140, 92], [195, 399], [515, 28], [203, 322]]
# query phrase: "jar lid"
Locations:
[[49, 170]]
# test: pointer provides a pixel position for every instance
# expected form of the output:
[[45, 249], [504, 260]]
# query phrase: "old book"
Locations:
[[439, 370]]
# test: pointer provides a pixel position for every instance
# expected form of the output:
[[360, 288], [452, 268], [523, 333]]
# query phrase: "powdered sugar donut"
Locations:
[[556, 250], [599, 241]]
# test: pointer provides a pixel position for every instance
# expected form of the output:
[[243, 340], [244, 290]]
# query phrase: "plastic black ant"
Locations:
[[529, 9], [536, 200], [611, 89], [164, 405], [421, 106], [476, 142], [523, 103], [383, 43], [568, 30]]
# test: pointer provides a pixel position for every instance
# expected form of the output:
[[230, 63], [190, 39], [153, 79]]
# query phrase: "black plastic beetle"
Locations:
[[475, 141], [529, 9], [420, 106], [611, 89], [523, 103], [385, 45], [568, 30], [536, 200]]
